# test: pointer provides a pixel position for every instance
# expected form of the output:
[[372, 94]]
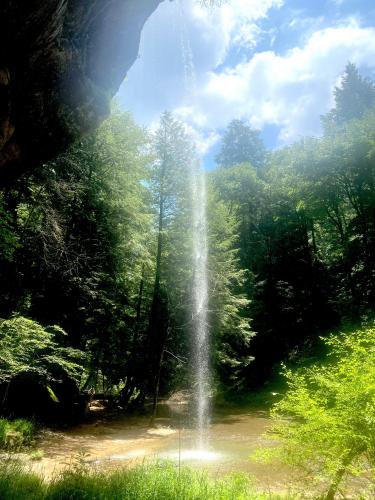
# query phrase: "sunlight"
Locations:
[[194, 455], [187, 249]]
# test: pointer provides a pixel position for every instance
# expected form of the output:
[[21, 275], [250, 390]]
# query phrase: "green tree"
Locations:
[[174, 154], [353, 98], [9, 240], [241, 144], [244, 194], [83, 223], [325, 424], [228, 304], [35, 357]]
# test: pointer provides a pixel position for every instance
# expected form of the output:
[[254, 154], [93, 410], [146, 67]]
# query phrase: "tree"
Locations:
[[174, 154], [241, 144], [332, 178], [325, 424], [83, 250], [353, 98], [228, 304], [26, 346], [243, 192]]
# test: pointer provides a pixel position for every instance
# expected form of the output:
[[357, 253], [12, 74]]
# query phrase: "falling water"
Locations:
[[200, 331], [187, 59], [200, 303]]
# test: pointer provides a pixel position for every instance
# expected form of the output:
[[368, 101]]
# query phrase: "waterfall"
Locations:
[[200, 332]]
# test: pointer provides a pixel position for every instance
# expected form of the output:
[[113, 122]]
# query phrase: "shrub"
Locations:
[[37, 455], [16, 434], [325, 424], [28, 347]]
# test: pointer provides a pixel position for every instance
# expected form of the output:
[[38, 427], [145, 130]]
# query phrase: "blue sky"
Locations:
[[273, 63]]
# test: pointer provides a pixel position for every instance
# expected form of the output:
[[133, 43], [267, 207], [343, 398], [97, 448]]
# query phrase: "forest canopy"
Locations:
[[98, 243]]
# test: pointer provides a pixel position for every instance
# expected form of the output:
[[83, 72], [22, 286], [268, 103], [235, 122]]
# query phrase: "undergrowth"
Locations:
[[161, 481], [15, 434]]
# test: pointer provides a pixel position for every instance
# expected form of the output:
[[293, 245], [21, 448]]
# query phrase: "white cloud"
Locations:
[[158, 80], [203, 141], [289, 90], [236, 21], [196, 126]]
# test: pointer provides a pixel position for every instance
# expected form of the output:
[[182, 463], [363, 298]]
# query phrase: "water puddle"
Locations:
[[129, 440]]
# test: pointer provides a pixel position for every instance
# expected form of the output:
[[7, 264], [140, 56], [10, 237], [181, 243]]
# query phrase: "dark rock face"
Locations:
[[60, 63]]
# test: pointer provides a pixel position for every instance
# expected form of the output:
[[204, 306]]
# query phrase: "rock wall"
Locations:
[[61, 61]]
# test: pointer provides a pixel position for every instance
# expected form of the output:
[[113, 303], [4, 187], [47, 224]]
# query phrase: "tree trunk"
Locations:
[[340, 474], [156, 389], [158, 315]]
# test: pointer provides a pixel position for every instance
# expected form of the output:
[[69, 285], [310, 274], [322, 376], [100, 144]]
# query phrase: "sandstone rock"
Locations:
[[60, 63]]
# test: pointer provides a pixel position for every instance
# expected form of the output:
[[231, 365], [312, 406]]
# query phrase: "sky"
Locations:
[[272, 63]]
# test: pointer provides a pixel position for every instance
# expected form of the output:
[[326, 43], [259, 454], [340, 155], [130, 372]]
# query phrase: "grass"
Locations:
[[161, 481], [15, 434]]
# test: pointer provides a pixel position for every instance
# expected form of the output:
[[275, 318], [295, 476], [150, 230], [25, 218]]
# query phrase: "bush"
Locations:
[[39, 376], [325, 424], [37, 455], [16, 434], [28, 347]]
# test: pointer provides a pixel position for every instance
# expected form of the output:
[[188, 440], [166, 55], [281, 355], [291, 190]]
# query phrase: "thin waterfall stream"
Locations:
[[200, 330], [199, 307]]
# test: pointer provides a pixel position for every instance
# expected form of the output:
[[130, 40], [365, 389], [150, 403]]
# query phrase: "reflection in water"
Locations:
[[192, 455]]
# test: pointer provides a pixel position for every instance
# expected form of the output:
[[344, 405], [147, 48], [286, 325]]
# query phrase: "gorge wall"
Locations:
[[61, 61]]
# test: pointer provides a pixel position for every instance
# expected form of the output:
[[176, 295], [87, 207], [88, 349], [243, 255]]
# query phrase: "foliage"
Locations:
[[84, 223], [306, 233], [273, 247], [99, 242], [157, 482], [27, 347], [14, 434], [228, 304], [331, 181], [244, 193], [353, 98], [36, 455], [170, 198], [9, 240], [241, 144], [325, 424]]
